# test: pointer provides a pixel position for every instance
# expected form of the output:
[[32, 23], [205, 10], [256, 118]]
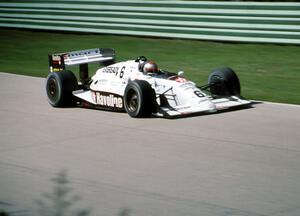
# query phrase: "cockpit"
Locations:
[[150, 68]]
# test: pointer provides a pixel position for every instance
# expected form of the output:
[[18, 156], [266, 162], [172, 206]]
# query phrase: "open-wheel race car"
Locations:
[[137, 86]]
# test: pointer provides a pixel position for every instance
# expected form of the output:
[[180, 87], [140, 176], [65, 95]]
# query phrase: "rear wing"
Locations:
[[58, 62]]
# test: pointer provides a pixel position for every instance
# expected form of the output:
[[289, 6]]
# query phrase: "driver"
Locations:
[[150, 67], [147, 67]]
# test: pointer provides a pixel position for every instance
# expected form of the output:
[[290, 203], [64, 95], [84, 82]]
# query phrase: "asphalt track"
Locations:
[[239, 163]]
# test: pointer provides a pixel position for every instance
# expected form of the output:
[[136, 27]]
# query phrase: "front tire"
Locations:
[[224, 82], [59, 88], [139, 99]]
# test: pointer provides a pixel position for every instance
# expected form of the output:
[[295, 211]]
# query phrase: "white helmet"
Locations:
[[150, 67]]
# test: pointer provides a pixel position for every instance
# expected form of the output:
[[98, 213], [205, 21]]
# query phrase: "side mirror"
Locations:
[[180, 73]]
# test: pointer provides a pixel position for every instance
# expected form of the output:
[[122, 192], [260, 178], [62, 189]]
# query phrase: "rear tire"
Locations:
[[224, 82], [59, 88], [139, 99]]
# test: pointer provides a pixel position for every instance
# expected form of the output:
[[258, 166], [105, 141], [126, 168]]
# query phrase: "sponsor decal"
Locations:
[[53, 69], [113, 70], [108, 100], [181, 108], [81, 53]]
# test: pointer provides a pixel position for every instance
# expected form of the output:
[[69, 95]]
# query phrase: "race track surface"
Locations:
[[241, 163]]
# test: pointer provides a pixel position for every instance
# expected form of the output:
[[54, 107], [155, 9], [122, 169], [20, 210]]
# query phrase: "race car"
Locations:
[[137, 86]]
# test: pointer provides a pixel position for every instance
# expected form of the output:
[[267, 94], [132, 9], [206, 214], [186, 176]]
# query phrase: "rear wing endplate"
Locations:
[[58, 62]]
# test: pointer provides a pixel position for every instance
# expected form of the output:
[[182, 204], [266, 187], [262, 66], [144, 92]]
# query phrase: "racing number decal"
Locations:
[[198, 93], [122, 72]]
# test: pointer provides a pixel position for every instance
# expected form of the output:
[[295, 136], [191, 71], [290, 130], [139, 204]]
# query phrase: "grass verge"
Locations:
[[266, 71]]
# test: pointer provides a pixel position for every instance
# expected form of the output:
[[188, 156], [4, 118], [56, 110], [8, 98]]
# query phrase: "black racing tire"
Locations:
[[224, 82], [59, 88], [139, 99]]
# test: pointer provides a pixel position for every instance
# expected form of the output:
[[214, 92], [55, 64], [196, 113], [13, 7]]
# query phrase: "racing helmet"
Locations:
[[150, 67]]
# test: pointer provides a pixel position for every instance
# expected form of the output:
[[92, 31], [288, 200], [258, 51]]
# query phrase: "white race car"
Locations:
[[137, 86]]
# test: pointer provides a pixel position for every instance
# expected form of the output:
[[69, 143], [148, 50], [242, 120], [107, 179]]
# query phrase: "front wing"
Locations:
[[211, 106]]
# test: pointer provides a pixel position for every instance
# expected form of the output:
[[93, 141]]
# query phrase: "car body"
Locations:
[[124, 86]]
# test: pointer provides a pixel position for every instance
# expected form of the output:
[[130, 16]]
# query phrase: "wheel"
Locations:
[[139, 99], [224, 82], [59, 87]]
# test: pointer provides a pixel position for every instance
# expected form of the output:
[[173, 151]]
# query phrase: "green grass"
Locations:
[[266, 71]]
